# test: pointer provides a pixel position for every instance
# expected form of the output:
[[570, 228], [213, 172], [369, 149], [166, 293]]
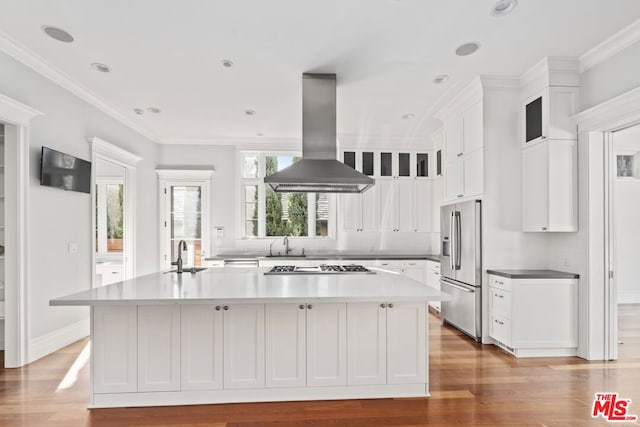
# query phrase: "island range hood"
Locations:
[[318, 171]]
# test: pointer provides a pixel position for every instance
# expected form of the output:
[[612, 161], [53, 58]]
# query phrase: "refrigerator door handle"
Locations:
[[458, 227], [452, 238]]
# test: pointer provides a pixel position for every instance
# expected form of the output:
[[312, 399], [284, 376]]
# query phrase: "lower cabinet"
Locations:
[[367, 335], [159, 347], [285, 355], [433, 281], [406, 343], [326, 344], [201, 347], [243, 338]]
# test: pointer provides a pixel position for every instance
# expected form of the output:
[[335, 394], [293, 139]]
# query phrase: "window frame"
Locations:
[[101, 184], [262, 190]]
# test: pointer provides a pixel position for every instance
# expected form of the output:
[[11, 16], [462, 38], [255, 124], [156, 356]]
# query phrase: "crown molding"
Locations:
[[610, 115], [25, 56], [185, 174], [16, 112], [102, 147], [611, 46], [248, 143]]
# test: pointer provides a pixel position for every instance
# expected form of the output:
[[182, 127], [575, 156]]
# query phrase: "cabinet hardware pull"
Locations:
[[460, 154], [499, 283], [225, 308], [382, 305], [542, 137], [460, 195], [301, 306], [543, 228], [499, 322], [218, 308], [390, 305], [309, 306]]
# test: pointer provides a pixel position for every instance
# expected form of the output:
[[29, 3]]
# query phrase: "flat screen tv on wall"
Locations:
[[64, 171]]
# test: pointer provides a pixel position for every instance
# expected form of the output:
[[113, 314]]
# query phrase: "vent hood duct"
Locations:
[[318, 171]]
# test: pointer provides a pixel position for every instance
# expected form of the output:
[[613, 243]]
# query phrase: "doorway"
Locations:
[[624, 241]]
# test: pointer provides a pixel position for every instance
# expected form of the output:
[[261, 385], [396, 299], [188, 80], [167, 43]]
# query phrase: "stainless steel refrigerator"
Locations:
[[461, 266]]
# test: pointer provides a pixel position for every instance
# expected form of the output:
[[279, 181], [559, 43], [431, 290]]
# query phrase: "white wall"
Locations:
[[626, 217], [58, 217], [615, 76]]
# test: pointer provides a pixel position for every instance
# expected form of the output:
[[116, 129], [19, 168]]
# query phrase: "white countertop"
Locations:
[[250, 285]]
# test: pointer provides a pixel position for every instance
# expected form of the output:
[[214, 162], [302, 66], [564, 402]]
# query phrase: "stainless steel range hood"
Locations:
[[319, 171]]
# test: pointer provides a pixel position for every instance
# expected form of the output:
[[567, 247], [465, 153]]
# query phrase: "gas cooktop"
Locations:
[[320, 269]]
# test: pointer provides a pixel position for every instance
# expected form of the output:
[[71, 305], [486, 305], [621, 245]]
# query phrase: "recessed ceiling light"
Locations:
[[260, 134], [504, 7], [249, 112], [138, 111], [154, 110], [226, 63], [408, 116], [103, 68], [57, 33], [467, 48], [441, 78]]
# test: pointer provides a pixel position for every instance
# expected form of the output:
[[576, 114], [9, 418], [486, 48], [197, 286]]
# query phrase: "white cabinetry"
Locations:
[[326, 344], [433, 280], [201, 347], [367, 349], [285, 344], [548, 114], [534, 317], [425, 205], [361, 210], [115, 349], [406, 343], [244, 346], [549, 170], [159, 348]]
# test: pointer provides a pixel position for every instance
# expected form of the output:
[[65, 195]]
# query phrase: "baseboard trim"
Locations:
[[55, 340]]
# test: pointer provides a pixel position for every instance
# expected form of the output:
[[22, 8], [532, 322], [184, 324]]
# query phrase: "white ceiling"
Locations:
[[386, 53]]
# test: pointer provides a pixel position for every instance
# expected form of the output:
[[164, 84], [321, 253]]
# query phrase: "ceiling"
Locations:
[[386, 53]]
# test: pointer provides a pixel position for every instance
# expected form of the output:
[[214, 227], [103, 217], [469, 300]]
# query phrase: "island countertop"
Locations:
[[251, 285]]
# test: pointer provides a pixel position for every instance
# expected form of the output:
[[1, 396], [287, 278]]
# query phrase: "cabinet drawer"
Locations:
[[500, 329], [500, 282], [500, 302]]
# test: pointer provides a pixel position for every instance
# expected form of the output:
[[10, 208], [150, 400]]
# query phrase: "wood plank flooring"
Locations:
[[471, 384]]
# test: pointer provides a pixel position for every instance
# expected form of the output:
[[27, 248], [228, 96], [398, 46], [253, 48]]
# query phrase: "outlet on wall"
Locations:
[[565, 262], [72, 248]]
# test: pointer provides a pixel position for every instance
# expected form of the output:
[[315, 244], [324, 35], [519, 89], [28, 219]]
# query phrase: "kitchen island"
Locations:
[[238, 335]]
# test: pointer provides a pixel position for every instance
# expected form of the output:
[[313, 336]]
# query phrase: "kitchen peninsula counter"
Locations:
[[237, 335]]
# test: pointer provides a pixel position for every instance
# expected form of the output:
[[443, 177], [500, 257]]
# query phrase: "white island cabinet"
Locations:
[[231, 335]]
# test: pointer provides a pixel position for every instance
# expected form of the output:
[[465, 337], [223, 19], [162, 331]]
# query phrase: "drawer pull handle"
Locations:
[[309, 306], [499, 296], [225, 308], [301, 306], [390, 305], [218, 308], [499, 322], [382, 305]]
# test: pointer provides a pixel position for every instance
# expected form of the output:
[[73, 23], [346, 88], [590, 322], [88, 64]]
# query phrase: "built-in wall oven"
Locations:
[[461, 266]]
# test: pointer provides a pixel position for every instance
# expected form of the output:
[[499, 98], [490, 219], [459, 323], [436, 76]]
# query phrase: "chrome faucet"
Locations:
[[182, 246], [285, 242]]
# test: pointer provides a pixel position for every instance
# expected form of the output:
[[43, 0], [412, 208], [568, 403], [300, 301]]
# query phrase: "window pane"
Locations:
[[286, 214], [251, 228], [385, 164], [404, 164], [277, 163], [250, 166], [422, 164], [322, 214], [251, 210], [114, 217], [186, 222]]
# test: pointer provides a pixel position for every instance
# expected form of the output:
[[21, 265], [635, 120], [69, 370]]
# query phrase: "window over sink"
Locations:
[[267, 214]]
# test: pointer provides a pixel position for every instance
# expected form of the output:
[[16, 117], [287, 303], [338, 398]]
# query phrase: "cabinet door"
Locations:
[[201, 343], [285, 326], [406, 343], [416, 273], [438, 199], [453, 129], [352, 211], [326, 344], [367, 335], [424, 209], [453, 181], [563, 104], [473, 172], [405, 204], [472, 137], [370, 209], [387, 204], [159, 348], [563, 199], [535, 181], [244, 346], [115, 349]]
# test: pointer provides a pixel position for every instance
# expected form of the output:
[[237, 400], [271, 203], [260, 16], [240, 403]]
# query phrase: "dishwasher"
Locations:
[[241, 263]]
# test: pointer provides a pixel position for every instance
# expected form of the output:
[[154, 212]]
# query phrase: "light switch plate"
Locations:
[[73, 248], [219, 232]]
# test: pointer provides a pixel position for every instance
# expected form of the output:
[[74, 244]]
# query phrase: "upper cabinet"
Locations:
[[463, 132], [547, 114]]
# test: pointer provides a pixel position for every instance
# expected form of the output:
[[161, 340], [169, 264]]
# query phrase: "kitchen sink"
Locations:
[[187, 270]]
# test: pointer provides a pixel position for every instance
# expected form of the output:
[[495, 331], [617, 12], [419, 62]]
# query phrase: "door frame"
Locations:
[[17, 119], [598, 308], [108, 152]]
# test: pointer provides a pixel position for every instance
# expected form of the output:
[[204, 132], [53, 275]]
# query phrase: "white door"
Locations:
[[326, 344], [453, 181], [244, 346], [424, 205], [472, 128], [201, 343], [369, 209], [115, 349], [285, 326], [473, 179], [352, 211], [453, 129], [438, 199], [367, 337], [406, 204], [406, 343], [387, 203], [159, 348], [535, 192]]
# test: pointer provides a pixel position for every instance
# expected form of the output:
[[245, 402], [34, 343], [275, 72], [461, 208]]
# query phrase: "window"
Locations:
[[270, 214], [109, 216]]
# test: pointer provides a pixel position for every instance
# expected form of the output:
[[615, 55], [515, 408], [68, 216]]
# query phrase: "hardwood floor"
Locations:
[[471, 384]]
